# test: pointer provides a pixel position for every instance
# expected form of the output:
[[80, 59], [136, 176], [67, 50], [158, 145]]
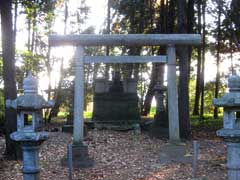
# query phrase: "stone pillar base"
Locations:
[[80, 157], [67, 128], [233, 163], [174, 152]]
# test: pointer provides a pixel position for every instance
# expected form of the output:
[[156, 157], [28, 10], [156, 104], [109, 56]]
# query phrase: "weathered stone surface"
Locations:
[[29, 101], [174, 153], [231, 130], [101, 86], [130, 86], [228, 100], [80, 157], [31, 168], [116, 110], [28, 134], [125, 39], [160, 124]]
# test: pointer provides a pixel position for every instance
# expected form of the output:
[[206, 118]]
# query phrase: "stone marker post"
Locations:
[[172, 95], [231, 125], [29, 118]]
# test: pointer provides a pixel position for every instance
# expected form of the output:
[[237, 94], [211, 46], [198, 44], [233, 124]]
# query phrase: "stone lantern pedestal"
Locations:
[[232, 138], [30, 143], [159, 127], [231, 125], [29, 119]]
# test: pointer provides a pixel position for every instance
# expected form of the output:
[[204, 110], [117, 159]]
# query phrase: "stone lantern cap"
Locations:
[[30, 100], [234, 82], [30, 84], [232, 98], [233, 134]]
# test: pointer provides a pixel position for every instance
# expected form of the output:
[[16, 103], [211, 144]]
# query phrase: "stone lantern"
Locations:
[[29, 118], [160, 98], [159, 127], [231, 125]]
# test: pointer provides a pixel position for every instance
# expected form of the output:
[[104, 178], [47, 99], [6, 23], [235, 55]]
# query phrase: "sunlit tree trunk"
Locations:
[[199, 61], [57, 93], [15, 21], [203, 58], [157, 74], [217, 82]]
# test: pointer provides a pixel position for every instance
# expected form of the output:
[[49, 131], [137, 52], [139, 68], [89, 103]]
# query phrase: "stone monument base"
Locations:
[[159, 127], [80, 157], [159, 132], [116, 111], [120, 127], [67, 128], [174, 152]]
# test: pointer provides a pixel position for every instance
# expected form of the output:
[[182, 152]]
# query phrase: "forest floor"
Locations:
[[124, 156]]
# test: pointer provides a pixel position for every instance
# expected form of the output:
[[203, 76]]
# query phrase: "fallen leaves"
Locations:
[[121, 156]]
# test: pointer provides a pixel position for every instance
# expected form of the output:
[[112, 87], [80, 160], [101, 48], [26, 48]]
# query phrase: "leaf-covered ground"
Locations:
[[122, 156]]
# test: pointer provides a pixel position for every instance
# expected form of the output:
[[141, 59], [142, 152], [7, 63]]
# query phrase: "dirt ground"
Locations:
[[122, 156]]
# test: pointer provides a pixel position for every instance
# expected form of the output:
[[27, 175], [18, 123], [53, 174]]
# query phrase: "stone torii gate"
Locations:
[[169, 40]]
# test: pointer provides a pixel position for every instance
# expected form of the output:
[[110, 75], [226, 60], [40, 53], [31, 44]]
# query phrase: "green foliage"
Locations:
[[152, 111], [87, 114], [63, 114], [192, 84], [208, 122], [209, 95], [28, 62]]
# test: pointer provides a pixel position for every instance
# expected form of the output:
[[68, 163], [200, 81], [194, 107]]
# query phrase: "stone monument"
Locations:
[[29, 119], [116, 103], [160, 124], [231, 125]]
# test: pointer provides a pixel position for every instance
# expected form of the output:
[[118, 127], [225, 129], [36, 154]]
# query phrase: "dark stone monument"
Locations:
[[159, 126], [116, 104]]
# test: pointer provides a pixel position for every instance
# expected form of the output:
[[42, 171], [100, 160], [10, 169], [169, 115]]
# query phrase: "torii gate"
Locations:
[[169, 40]]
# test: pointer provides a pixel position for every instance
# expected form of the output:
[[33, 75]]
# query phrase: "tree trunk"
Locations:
[[107, 66], [29, 35], [171, 16], [190, 25], [203, 58], [218, 60], [199, 60], [9, 74], [33, 31], [15, 22], [184, 76], [57, 93], [158, 69]]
